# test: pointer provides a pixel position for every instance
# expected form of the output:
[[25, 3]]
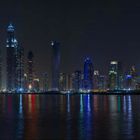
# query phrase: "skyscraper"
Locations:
[[102, 83], [11, 46], [88, 74], [77, 80], [45, 83], [115, 76], [20, 69], [131, 79], [62, 81], [36, 85], [30, 70], [69, 81], [96, 79], [55, 65]]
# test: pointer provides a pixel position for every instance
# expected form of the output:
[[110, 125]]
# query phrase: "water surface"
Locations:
[[68, 117]]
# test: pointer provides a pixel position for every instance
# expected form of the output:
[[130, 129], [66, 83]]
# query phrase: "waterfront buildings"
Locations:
[[19, 80], [55, 47]]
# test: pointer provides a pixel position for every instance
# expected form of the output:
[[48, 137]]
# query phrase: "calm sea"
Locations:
[[69, 117]]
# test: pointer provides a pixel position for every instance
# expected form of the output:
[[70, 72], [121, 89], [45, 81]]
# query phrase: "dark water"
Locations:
[[68, 117]]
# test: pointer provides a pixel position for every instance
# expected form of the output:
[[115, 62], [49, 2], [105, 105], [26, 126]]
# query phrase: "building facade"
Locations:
[[77, 81], [55, 46], [11, 50], [62, 82], [30, 71], [115, 76], [19, 69], [88, 74]]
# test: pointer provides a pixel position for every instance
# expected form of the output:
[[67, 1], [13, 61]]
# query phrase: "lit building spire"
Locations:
[[10, 28]]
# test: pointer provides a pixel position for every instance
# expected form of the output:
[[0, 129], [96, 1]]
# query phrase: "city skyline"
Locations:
[[69, 69], [103, 31], [21, 73], [21, 76]]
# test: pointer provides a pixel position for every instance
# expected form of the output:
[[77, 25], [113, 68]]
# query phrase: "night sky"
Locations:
[[104, 30]]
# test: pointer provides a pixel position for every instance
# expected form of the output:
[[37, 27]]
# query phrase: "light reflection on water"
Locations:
[[69, 117]]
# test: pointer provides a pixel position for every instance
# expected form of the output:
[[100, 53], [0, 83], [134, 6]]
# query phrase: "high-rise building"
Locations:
[[25, 82], [20, 69], [36, 85], [115, 76], [77, 80], [30, 73], [62, 82], [55, 65], [11, 47], [88, 74], [69, 82], [15, 62], [131, 79], [102, 83], [45, 82], [96, 79], [128, 82]]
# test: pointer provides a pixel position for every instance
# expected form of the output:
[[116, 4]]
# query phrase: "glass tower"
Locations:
[[15, 62], [11, 46], [115, 76], [88, 74]]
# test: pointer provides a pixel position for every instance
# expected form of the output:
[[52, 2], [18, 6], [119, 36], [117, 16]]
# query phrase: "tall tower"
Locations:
[[20, 69], [96, 79], [11, 46], [55, 65], [88, 74], [30, 73], [115, 76], [77, 80]]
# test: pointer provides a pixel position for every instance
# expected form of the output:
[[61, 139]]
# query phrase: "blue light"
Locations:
[[20, 89], [10, 28], [20, 104], [128, 76]]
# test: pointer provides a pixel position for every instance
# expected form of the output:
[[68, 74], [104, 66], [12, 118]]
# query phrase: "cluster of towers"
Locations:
[[15, 60], [16, 79], [87, 80], [120, 80], [91, 80]]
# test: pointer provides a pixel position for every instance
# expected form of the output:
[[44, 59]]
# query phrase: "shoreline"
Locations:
[[59, 93]]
